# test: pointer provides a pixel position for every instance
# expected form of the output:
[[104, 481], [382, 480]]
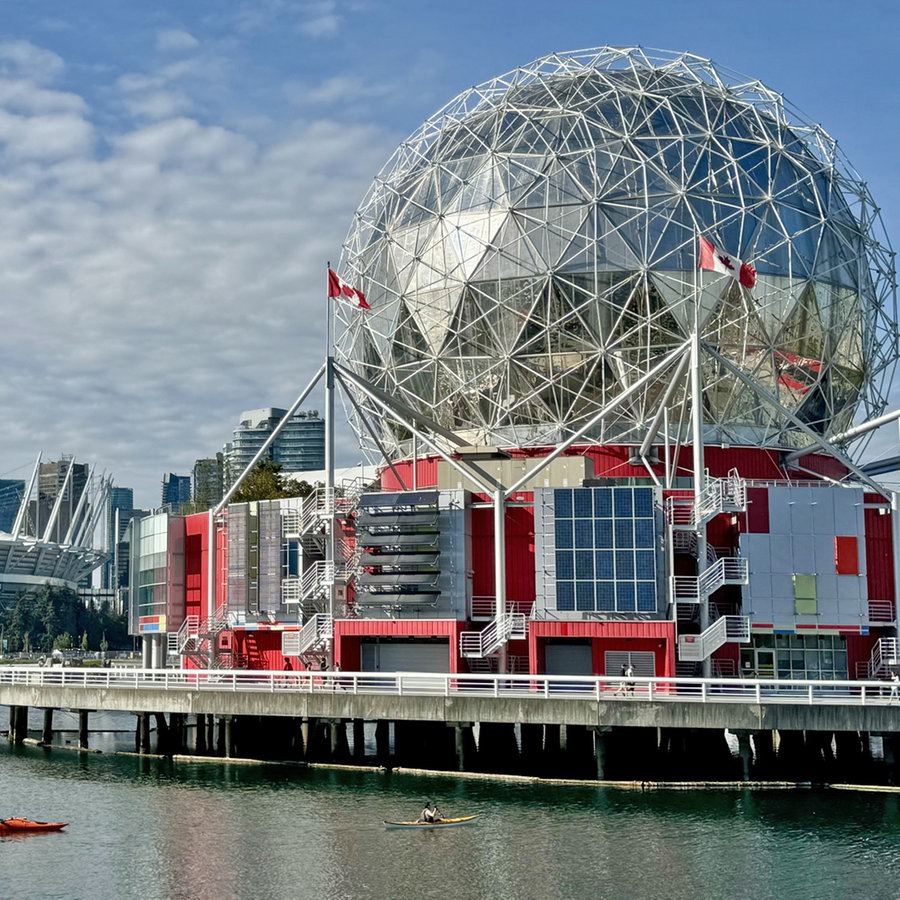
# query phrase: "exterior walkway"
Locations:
[[532, 699]]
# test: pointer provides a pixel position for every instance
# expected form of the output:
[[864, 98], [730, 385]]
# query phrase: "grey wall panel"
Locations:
[[781, 554], [779, 511], [803, 553], [823, 511]]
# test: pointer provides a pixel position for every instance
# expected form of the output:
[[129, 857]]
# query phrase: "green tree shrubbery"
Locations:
[[51, 618]]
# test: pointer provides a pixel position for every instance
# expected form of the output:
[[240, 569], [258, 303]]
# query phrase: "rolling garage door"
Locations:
[[405, 656], [568, 658]]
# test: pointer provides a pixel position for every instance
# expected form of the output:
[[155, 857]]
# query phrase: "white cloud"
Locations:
[[26, 97], [340, 89], [154, 292], [320, 19], [44, 137], [24, 59], [175, 40]]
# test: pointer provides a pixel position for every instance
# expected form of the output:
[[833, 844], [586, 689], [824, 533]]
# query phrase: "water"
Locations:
[[149, 828]]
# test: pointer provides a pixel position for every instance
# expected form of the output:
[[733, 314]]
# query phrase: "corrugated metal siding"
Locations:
[[879, 552], [196, 529], [483, 552], [519, 553], [652, 630], [612, 462], [757, 516], [426, 475], [194, 575], [394, 628], [520, 577], [262, 649], [859, 649]]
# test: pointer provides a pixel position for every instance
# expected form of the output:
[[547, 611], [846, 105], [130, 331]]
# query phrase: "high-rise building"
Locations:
[[11, 491], [119, 512], [208, 482], [176, 490], [299, 447], [60, 486]]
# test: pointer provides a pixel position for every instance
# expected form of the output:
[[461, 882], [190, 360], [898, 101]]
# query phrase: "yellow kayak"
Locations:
[[441, 823]]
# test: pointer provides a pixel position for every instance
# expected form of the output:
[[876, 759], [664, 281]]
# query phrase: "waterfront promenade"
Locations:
[[696, 703]]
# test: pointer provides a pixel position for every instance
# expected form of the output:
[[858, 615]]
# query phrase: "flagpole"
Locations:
[[697, 440], [329, 453]]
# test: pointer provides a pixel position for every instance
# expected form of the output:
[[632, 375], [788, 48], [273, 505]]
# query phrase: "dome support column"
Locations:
[[500, 568]]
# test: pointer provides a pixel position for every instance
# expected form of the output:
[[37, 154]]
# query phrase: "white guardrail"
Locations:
[[570, 687]]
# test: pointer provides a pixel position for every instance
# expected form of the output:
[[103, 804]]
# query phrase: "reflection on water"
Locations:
[[149, 828]]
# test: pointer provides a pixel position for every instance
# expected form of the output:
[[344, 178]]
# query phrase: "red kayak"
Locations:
[[17, 824]]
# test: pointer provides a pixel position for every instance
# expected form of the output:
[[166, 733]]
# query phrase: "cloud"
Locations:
[[161, 280], [44, 137], [320, 19], [23, 59], [340, 89], [175, 40]]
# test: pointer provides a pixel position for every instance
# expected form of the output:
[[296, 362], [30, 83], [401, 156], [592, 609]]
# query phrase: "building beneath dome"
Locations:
[[625, 309]]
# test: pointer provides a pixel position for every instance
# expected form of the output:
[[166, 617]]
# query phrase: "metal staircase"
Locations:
[[687, 518], [725, 630], [313, 638], [695, 588], [719, 495], [479, 644], [195, 639], [884, 659]]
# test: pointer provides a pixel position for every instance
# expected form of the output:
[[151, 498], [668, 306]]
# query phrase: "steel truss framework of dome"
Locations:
[[531, 253], [29, 556]]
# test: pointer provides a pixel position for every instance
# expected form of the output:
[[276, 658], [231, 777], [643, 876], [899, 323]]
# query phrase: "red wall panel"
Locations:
[[879, 552], [657, 637], [846, 555], [756, 519]]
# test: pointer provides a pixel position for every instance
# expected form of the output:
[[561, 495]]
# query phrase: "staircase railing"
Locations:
[[316, 506], [718, 495], [885, 655], [314, 634], [188, 633], [727, 629], [694, 588], [315, 578], [513, 626]]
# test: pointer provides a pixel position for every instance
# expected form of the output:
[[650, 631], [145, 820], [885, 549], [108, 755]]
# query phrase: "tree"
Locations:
[[266, 482], [43, 618], [62, 642]]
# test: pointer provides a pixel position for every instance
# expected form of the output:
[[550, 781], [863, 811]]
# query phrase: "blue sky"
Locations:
[[173, 176]]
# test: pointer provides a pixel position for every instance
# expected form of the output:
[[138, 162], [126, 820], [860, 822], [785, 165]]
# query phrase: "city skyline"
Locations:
[[175, 180]]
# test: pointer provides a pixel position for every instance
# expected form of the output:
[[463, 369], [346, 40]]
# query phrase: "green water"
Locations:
[[148, 828]]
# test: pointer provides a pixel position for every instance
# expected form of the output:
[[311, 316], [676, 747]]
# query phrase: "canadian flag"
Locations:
[[716, 260], [337, 288]]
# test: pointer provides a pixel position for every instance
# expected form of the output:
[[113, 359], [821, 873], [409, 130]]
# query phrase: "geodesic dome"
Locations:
[[532, 251]]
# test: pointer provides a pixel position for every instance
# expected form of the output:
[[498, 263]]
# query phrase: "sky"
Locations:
[[175, 174]]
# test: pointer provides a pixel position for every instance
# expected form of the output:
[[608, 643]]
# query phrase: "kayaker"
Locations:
[[431, 813]]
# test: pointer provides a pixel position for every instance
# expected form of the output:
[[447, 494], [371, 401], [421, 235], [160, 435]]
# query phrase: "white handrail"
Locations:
[[555, 687]]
